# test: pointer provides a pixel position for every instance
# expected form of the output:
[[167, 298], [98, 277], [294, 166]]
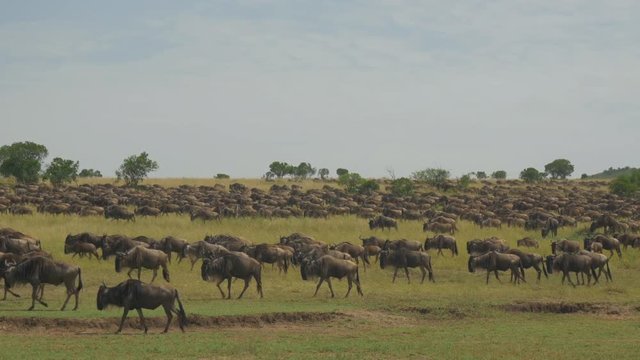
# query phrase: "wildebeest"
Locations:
[[169, 244], [382, 222], [570, 262], [478, 246], [550, 227], [82, 249], [405, 259], [606, 221], [230, 265], [608, 243], [327, 267], [112, 244], [204, 215], [147, 211], [567, 246], [528, 242], [402, 244], [134, 294], [117, 212], [442, 242], [355, 251], [494, 261], [18, 246], [230, 242], [140, 257], [440, 227], [199, 250], [270, 254], [41, 270], [600, 262], [528, 260]]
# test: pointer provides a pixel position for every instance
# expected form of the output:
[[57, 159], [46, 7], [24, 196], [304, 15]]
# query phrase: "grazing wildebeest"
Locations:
[[18, 246], [494, 261], [82, 249], [382, 222], [140, 257], [442, 242], [567, 246], [550, 227], [134, 294], [478, 247], [204, 215], [528, 242], [41, 270], [627, 239], [529, 260], [233, 264], [147, 211], [327, 267], [570, 262], [117, 212], [84, 237], [405, 259], [607, 222]]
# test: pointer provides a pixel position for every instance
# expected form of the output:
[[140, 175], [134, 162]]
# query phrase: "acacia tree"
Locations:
[[135, 168], [279, 168], [341, 171], [432, 176], [481, 175], [499, 174], [559, 168], [531, 175], [61, 171], [22, 160]]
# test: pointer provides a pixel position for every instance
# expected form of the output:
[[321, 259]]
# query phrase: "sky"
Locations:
[[374, 86]]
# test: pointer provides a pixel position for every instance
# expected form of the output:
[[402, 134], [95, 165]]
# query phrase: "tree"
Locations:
[[500, 175], [135, 168], [368, 186], [351, 181], [464, 181], [402, 187], [279, 169], [222, 176], [481, 175], [90, 173], [531, 175], [341, 171], [559, 168], [22, 160], [61, 171], [323, 173], [584, 176], [304, 170], [432, 176], [626, 185]]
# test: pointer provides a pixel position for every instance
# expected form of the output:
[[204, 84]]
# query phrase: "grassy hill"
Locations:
[[612, 173]]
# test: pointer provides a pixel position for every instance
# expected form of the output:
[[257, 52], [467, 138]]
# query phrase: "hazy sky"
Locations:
[[229, 86]]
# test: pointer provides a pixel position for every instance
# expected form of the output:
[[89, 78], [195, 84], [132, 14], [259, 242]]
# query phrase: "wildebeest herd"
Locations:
[[228, 257]]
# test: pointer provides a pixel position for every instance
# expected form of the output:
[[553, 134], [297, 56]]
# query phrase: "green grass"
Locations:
[[476, 329]]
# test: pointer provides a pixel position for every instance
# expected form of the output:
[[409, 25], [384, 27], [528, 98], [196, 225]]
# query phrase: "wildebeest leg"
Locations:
[[219, 288], [144, 324], [139, 270], [229, 288], [569, 278], [440, 252], [318, 287], [34, 294], [41, 291], [246, 285], [330, 287], [69, 293], [406, 271], [395, 273], [97, 257], [495, 272], [424, 274], [488, 273], [349, 282], [167, 310], [7, 290], [129, 273], [193, 262], [74, 255], [155, 273], [124, 316]]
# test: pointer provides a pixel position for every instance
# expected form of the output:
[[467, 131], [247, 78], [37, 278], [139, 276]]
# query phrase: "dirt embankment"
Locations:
[[195, 321]]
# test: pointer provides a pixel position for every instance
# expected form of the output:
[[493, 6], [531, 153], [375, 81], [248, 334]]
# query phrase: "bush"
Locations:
[[61, 171], [341, 171], [464, 181], [499, 175], [89, 173], [222, 176], [135, 168], [626, 185], [402, 187], [531, 175], [432, 176]]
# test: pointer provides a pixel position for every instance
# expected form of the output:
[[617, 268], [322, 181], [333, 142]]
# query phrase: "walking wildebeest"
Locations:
[[527, 242], [528, 260], [567, 246], [230, 265], [134, 294], [494, 261], [140, 257], [570, 262], [382, 222], [442, 242], [41, 270], [327, 267], [405, 259]]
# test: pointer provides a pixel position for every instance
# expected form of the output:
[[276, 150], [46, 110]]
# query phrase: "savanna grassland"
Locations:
[[457, 317]]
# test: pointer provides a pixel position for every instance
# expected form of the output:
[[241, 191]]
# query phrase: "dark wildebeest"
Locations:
[[204, 215], [113, 244], [18, 246], [169, 244], [529, 260], [494, 261], [627, 239], [382, 222], [82, 249], [199, 250], [140, 257], [600, 262], [147, 211], [134, 294], [440, 228], [550, 227], [230, 242], [478, 247], [41, 270], [608, 243], [442, 242], [327, 267], [270, 254], [567, 246], [117, 212], [356, 252], [605, 221], [84, 237], [402, 244], [230, 265], [528, 242], [405, 259], [570, 262]]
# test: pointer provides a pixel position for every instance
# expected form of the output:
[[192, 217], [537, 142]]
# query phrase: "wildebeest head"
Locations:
[[101, 300], [383, 258], [549, 263], [118, 262], [554, 247], [308, 268], [471, 264]]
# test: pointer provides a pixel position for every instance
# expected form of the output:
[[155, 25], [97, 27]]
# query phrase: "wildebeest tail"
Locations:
[[358, 275], [79, 280], [455, 248], [609, 271], [182, 316]]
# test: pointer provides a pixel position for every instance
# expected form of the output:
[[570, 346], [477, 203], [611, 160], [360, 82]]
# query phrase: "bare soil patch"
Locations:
[[568, 308]]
